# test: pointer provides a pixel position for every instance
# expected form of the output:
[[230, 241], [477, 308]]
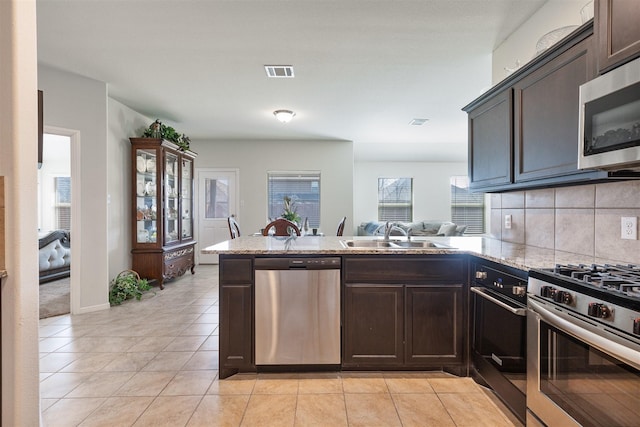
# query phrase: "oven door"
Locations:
[[499, 347], [576, 375]]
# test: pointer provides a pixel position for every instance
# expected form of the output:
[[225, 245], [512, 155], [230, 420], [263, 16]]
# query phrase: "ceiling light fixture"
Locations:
[[284, 116]]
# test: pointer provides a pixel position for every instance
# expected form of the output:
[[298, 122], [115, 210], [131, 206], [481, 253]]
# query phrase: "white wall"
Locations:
[[431, 187], [334, 160], [18, 160], [521, 44], [78, 103], [123, 124]]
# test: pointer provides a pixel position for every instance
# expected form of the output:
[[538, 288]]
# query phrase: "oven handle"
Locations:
[[584, 333], [522, 312]]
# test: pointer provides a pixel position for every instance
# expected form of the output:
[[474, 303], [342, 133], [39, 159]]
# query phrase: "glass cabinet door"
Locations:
[[146, 196], [171, 198], [186, 199]]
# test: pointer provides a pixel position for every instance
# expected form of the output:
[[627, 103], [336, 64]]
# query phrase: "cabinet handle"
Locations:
[[517, 311]]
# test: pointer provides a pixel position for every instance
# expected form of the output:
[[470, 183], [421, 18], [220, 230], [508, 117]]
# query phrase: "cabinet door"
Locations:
[[617, 23], [236, 329], [490, 142], [546, 115], [373, 325], [171, 183], [186, 200], [434, 325], [146, 196]]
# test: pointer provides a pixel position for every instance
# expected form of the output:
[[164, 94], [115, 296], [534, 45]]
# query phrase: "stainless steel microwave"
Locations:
[[609, 126]]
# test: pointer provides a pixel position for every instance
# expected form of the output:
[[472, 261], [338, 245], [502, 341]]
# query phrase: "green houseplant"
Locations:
[[290, 210], [127, 285], [159, 130]]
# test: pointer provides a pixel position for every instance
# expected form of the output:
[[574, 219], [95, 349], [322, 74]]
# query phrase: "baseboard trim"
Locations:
[[93, 308]]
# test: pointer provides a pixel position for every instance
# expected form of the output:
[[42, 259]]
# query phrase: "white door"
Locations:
[[217, 191]]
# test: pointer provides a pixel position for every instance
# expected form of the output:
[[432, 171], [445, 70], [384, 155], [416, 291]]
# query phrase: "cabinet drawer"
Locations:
[[236, 270], [405, 269]]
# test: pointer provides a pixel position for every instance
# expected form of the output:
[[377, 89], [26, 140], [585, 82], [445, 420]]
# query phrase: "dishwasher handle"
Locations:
[[298, 263]]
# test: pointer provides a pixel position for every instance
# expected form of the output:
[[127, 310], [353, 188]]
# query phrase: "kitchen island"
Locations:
[[401, 308]]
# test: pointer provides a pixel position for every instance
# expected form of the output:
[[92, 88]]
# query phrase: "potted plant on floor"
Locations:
[[127, 285]]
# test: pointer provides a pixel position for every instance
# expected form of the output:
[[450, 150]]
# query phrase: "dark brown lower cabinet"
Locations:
[[403, 326], [434, 325], [236, 316], [373, 325]]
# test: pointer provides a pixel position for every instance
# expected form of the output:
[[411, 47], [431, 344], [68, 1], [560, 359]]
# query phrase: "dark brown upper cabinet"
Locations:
[[617, 26]]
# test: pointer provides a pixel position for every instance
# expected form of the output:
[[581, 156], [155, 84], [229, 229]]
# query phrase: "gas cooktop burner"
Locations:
[[623, 279]]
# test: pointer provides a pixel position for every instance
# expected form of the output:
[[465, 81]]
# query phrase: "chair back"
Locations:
[[341, 226], [282, 227], [234, 228]]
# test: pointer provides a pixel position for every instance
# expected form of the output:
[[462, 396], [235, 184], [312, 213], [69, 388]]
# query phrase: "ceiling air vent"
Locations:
[[418, 122], [279, 71]]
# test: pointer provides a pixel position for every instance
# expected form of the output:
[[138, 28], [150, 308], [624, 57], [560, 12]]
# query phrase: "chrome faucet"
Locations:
[[387, 230]]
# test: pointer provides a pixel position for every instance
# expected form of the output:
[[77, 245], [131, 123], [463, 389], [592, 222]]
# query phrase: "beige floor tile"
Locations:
[[69, 412], [101, 384], [51, 330], [100, 344], [219, 411], [152, 343], [89, 362], [205, 329], [211, 343], [421, 410], [473, 410], [145, 384], [237, 384], [47, 345], [454, 385], [408, 385], [364, 385], [202, 360], [169, 411], [276, 386], [186, 343], [370, 410], [53, 362], [129, 362], [319, 385], [117, 411], [47, 403], [168, 361], [321, 410], [190, 383], [60, 384], [270, 410], [207, 318]]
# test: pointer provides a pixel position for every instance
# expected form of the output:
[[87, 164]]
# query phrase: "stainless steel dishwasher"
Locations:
[[297, 311]]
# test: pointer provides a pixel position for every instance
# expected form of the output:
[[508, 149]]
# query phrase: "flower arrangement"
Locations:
[[159, 130], [290, 210]]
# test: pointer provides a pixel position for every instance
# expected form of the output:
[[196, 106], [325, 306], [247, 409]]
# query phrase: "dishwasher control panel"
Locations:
[[286, 263]]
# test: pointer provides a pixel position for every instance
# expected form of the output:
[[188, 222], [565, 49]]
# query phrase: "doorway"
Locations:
[[217, 199]]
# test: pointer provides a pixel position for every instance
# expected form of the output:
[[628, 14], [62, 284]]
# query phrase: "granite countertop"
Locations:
[[511, 254]]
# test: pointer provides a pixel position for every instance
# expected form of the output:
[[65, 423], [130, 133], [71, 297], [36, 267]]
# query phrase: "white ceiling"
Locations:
[[363, 68]]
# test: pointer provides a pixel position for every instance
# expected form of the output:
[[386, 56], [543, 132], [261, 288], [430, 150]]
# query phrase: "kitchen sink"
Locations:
[[393, 244]]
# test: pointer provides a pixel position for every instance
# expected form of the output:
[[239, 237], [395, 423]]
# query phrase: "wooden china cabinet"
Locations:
[[162, 209]]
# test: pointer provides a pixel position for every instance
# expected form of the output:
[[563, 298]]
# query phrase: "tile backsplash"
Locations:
[[582, 219]]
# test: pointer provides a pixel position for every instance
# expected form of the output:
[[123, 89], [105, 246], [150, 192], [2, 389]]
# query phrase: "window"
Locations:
[[304, 190], [63, 202], [466, 208], [216, 194], [395, 199]]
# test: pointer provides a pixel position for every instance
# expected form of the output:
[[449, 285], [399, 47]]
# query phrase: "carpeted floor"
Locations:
[[54, 298]]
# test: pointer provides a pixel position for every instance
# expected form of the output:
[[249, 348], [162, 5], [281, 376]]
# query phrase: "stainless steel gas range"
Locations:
[[583, 346]]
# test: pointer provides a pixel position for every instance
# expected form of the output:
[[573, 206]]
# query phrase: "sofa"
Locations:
[[54, 255], [418, 228]]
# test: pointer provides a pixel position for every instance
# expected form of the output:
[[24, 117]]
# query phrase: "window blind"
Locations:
[[467, 208], [304, 190], [395, 199]]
